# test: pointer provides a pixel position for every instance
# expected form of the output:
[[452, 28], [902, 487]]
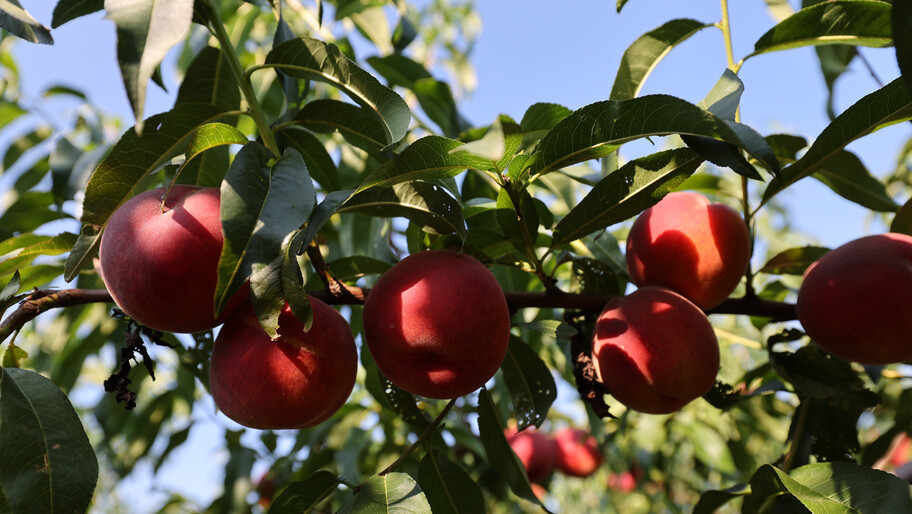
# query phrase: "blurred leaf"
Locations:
[[404, 33], [901, 19], [145, 32], [449, 489], [319, 163], [261, 203], [427, 205], [357, 266], [13, 356], [357, 125], [47, 463], [531, 385], [9, 112], [8, 293], [374, 25], [884, 107], [794, 261], [391, 493], [852, 22], [63, 90], [621, 4], [902, 221], [399, 70], [23, 144], [304, 495], [427, 158], [315, 60], [646, 52], [848, 177], [209, 80], [175, 440], [345, 8], [634, 187], [68, 10], [31, 210], [599, 129], [437, 102], [18, 22]]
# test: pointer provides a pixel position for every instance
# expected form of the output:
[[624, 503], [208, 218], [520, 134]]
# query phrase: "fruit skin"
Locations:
[[535, 450], [654, 350], [577, 452], [437, 324], [296, 381], [685, 243], [624, 482], [161, 267], [856, 301]]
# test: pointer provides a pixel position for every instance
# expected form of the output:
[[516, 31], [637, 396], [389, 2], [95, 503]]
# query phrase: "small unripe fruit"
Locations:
[[856, 301], [297, 381], [685, 243], [535, 450], [655, 351], [437, 324], [578, 453], [161, 264]]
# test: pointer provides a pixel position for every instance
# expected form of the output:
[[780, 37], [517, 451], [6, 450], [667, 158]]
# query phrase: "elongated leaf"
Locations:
[[835, 487], [313, 59], [47, 463], [427, 205], [357, 125], [206, 156], [18, 22], [428, 158], [212, 135], [834, 61], [85, 247], [304, 495], [23, 144], [145, 32], [8, 298], [848, 177], [888, 105], [436, 100], [530, 382], [48, 245], [345, 8], [399, 70], [392, 493], [542, 117], [646, 52], [448, 487], [68, 10], [372, 22], [319, 162], [209, 80], [794, 261], [845, 22], [901, 19], [517, 220], [902, 222], [598, 129], [260, 206], [318, 218], [634, 187]]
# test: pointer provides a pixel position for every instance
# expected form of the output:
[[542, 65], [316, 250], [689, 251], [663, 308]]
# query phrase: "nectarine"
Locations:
[[296, 381], [160, 262], [856, 301], [437, 324], [654, 350], [577, 453], [685, 243], [535, 450]]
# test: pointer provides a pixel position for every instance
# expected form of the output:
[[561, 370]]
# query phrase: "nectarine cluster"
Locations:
[[572, 451]]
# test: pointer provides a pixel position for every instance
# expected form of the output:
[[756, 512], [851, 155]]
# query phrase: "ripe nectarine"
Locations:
[[160, 262], [654, 350], [296, 381], [437, 324], [578, 453], [856, 301], [685, 243], [535, 450]]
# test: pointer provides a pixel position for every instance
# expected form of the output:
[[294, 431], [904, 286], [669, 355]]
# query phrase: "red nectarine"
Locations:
[[578, 453], [296, 381], [437, 324], [685, 243], [856, 301], [654, 350], [535, 450]]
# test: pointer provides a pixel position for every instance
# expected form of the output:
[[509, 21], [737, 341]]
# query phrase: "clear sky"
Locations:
[[532, 51]]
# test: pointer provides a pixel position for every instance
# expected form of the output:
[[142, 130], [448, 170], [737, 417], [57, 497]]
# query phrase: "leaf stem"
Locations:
[[725, 26], [528, 242], [798, 436], [428, 432]]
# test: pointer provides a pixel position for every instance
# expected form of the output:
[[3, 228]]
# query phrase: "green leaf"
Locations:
[[319, 162], [346, 8], [68, 10], [304, 495], [631, 189], [449, 489], [542, 117], [712, 501], [23, 144], [843, 22], [399, 70], [145, 32], [436, 100], [516, 220], [902, 221], [47, 463], [901, 19], [318, 218], [531, 385], [599, 129], [427, 205], [85, 247], [209, 136], [63, 90], [391, 493], [848, 177], [13, 356], [357, 125], [357, 266], [834, 61], [794, 261], [498, 450], [18, 22], [209, 80], [309, 58], [34, 244], [647, 51], [260, 205], [888, 105], [427, 158], [835, 487]]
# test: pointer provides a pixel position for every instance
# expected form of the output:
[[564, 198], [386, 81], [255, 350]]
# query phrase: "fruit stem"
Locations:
[[428, 432], [217, 28]]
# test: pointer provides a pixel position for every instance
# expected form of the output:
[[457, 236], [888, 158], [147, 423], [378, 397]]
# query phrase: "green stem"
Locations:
[[798, 436], [725, 26], [428, 432], [217, 28], [528, 241]]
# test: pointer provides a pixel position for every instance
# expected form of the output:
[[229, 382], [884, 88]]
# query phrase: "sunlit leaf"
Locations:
[[356, 124], [209, 80], [427, 205], [391, 493], [18, 22], [304, 495], [448, 487], [68, 10]]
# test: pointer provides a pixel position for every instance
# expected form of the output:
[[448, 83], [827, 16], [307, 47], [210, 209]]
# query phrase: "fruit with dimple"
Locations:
[[160, 261], [690, 245], [535, 450], [298, 380], [577, 452], [437, 324], [856, 301], [654, 350]]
